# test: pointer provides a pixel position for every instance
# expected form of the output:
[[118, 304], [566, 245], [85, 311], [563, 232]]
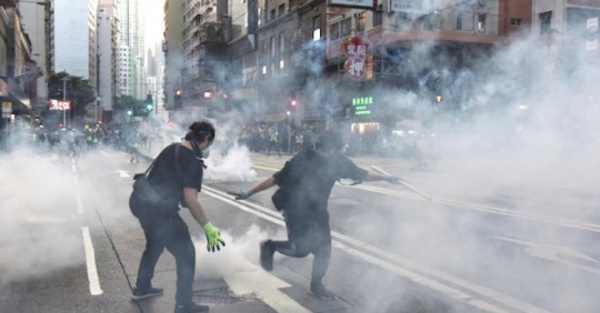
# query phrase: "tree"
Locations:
[[127, 103], [79, 91]]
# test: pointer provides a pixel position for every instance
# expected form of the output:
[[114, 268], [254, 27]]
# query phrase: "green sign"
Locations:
[[362, 105]]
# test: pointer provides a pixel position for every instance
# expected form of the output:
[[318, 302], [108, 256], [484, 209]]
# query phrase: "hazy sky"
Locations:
[[155, 23]]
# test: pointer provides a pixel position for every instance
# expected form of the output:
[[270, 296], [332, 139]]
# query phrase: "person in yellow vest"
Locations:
[[273, 142]]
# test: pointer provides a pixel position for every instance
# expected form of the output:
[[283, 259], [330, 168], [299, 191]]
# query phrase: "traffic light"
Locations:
[[149, 103], [293, 103], [129, 113], [177, 98]]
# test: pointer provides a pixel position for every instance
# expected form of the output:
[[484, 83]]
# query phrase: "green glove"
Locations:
[[213, 237]]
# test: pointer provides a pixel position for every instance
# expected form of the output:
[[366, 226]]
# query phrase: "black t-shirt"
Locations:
[[307, 179], [168, 181]]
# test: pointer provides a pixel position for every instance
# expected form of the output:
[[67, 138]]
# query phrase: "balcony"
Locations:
[[454, 27]]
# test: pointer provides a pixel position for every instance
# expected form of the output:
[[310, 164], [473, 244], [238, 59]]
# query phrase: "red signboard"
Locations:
[[59, 105], [356, 50]]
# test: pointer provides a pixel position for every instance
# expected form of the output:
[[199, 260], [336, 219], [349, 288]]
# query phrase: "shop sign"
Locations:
[[409, 6], [362, 105], [354, 3], [59, 105], [356, 51], [6, 109]]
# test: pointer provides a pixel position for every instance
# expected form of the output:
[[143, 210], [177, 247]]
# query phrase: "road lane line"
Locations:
[[90, 258], [268, 290], [402, 271], [474, 206]]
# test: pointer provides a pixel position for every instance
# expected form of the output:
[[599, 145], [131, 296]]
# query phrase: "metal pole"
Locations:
[[64, 99]]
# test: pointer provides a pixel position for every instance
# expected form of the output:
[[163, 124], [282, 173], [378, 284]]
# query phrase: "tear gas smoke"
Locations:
[[38, 216]]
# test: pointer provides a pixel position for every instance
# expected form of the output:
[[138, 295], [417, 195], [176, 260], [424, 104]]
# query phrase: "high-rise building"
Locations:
[[173, 49], [130, 49], [74, 33], [107, 43], [36, 23]]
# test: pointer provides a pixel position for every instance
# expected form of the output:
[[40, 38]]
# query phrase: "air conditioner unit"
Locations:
[[212, 32]]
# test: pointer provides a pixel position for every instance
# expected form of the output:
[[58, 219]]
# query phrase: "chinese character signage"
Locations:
[[409, 6], [362, 105], [59, 105], [356, 51]]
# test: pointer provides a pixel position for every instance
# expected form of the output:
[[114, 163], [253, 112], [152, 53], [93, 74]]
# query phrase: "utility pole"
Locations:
[[64, 79]]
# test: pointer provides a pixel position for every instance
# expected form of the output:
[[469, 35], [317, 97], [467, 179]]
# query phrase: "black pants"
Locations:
[[276, 145], [171, 233], [308, 234]]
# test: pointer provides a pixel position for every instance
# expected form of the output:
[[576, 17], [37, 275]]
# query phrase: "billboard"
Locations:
[[367, 4], [410, 6]]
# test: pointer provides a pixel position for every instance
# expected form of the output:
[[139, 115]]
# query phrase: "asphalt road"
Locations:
[[69, 244]]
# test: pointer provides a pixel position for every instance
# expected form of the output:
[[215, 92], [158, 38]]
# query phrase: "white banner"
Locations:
[[409, 6], [354, 3]]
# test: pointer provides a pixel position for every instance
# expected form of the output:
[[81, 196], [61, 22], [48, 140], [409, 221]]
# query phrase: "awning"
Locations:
[[20, 101]]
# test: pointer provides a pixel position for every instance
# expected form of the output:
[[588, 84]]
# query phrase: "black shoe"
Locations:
[[267, 249], [139, 294], [191, 308], [321, 292]]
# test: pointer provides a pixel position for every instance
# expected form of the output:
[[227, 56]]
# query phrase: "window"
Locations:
[[346, 28], [516, 21], [481, 19], [281, 49], [281, 9], [334, 32], [272, 14], [361, 21], [378, 16], [316, 28], [545, 23], [273, 51], [459, 21]]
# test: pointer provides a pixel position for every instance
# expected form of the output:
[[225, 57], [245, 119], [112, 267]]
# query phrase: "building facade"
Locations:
[[107, 44], [173, 50], [74, 36], [36, 23]]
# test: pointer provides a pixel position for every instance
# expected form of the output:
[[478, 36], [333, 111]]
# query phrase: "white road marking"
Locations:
[[553, 252], [376, 257], [123, 173], [244, 282], [90, 258]]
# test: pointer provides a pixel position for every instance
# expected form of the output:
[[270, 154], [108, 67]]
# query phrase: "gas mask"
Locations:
[[199, 151]]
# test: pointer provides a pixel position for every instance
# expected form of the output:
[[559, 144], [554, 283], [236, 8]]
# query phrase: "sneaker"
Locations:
[[139, 294], [191, 308], [321, 292], [267, 249]]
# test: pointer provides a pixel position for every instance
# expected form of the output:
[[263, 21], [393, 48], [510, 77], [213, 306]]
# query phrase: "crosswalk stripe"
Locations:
[[245, 282]]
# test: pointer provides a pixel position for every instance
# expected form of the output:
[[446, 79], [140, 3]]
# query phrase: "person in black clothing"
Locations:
[[177, 178], [305, 183]]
